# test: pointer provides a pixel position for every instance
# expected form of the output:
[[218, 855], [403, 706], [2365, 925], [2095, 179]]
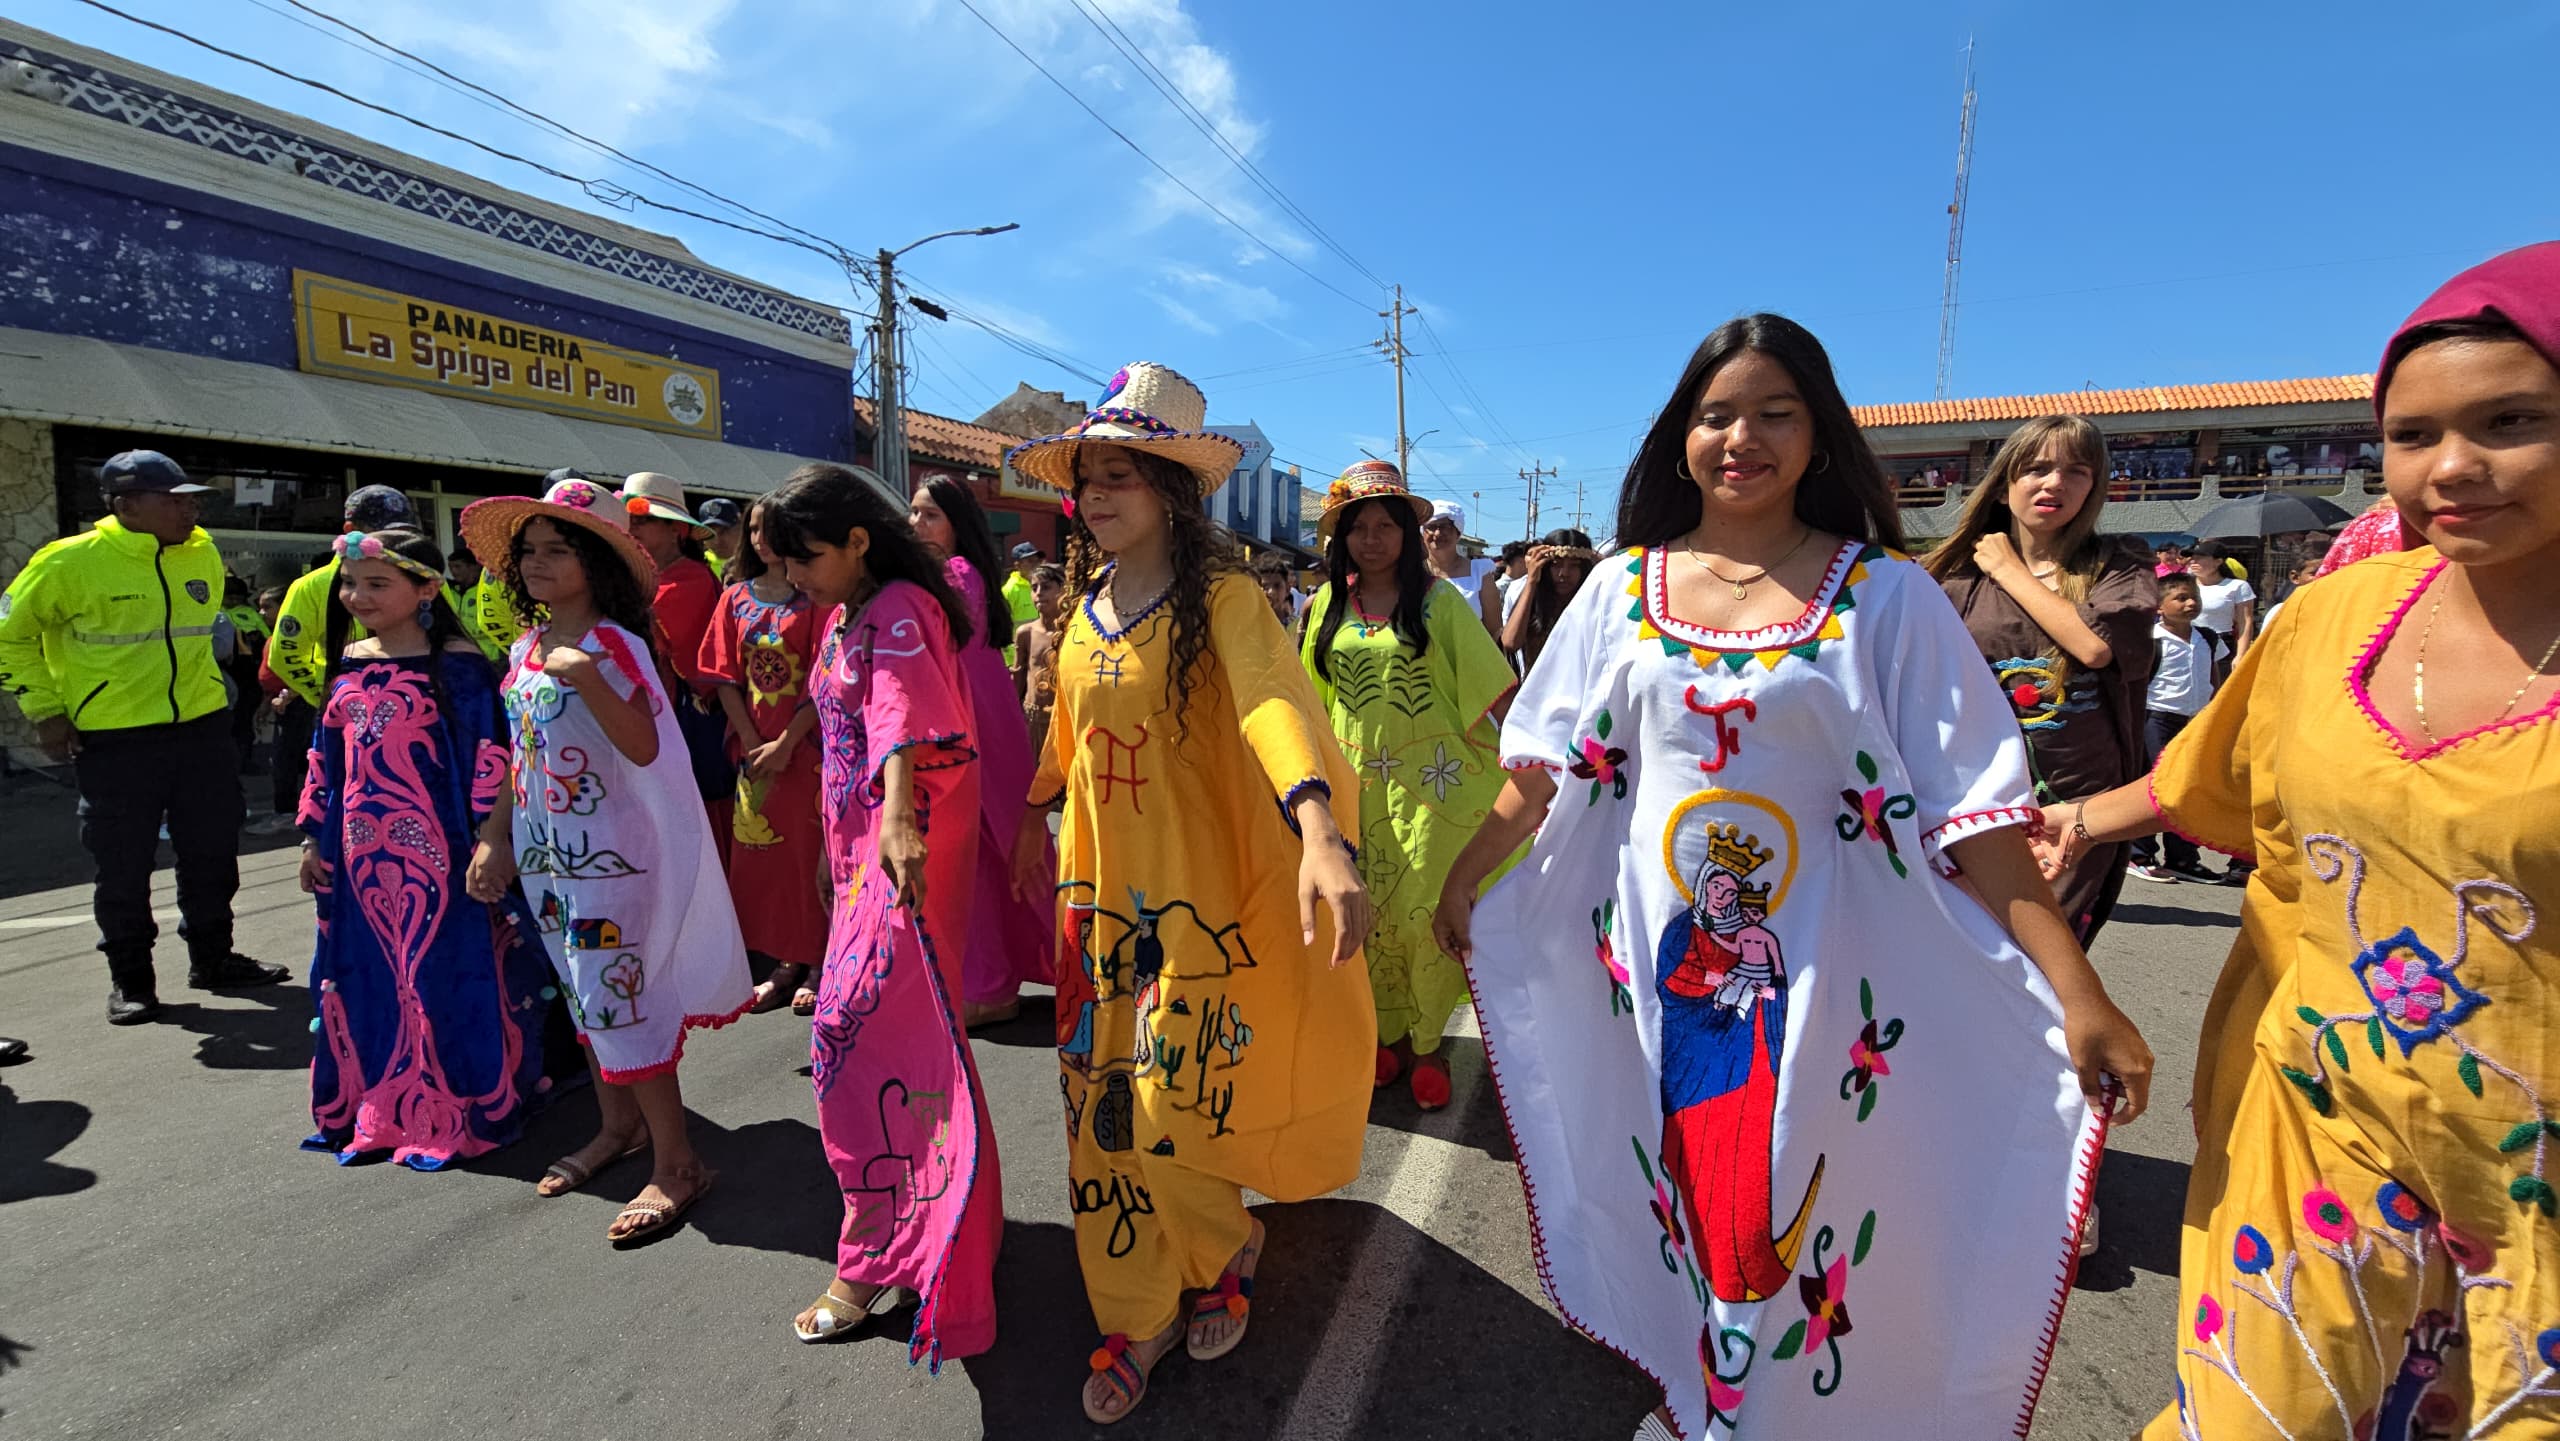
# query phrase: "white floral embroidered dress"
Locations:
[[1794, 1115]]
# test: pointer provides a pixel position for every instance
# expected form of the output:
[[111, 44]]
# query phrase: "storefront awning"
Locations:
[[72, 380]]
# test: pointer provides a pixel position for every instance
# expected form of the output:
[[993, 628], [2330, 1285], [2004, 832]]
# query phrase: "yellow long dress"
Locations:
[[1203, 1044], [2370, 1248]]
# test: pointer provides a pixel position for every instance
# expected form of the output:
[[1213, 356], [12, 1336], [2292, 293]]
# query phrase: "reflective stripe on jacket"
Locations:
[[114, 630]]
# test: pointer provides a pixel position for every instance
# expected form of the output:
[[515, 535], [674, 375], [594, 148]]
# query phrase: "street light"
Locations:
[[889, 447]]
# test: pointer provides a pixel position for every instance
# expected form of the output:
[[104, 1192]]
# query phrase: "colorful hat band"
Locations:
[[1125, 416], [1344, 493], [356, 545]]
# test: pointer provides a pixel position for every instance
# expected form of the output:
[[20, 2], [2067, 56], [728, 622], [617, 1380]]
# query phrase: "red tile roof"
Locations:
[[2316, 390], [943, 438]]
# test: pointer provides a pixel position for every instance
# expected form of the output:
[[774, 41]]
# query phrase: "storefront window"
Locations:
[[2156, 466], [2252, 460]]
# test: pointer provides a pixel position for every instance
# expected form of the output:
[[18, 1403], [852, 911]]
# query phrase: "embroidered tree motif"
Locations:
[[1866, 1054], [627, 979], [1871, 812], [1601, 764], [2419, 999]]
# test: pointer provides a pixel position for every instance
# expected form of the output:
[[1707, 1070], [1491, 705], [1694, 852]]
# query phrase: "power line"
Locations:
[[1364, 347], [1165, 86], [1237, 225], [547, 122], [1467, 388], [598, 189]]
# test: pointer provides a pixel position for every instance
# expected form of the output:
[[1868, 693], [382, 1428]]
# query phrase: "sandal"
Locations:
[[571, 1175], [1231, 1298], [659, 1217], [1115, 1365], [779, 989], [1430, 1081], [1390, 1066], [839, 1319], [804, 1001]]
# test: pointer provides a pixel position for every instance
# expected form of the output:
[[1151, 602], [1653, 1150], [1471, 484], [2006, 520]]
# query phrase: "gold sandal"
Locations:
[[659, 1217], [839, 1319]]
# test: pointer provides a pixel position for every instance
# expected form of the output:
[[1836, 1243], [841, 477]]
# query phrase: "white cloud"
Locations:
[[1106, 75]]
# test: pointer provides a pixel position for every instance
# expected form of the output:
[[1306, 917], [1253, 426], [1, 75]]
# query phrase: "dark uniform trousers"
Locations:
[[132, 782]]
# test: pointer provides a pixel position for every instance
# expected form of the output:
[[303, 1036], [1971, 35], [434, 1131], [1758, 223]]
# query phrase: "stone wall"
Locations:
[[28, 521]]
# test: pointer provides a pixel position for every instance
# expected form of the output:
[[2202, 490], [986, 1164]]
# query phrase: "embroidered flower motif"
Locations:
[[1442, 773], [1825, 1303], [1383, 764], [2401, 1210], [2326, 1213], [1603, 917], [2251, 1253], [1869, 809], [2467, 1251], [2208, 1320], [1866, 1059], [1601, 765], [2547, 1346], [2417, 994]]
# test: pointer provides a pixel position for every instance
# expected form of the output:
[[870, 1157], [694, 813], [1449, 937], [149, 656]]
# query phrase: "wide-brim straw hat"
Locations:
[[1146, 407], [489, 526], [664, 497], [1367, 480]]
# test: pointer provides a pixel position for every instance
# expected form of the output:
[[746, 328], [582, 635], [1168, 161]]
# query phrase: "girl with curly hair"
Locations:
[[1213, 1033]]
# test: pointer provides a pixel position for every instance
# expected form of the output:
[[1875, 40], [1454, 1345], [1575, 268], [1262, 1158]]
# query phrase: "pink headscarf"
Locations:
[[2522, 288]]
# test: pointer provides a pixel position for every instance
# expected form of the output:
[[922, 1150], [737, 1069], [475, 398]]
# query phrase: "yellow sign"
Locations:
[[362, 333]]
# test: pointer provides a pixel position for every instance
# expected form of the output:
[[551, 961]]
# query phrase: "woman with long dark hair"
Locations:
[[2063, 615], [1211, 1031], [427, 973], [1416, 691], [900, 1109], [759, 651], [1763, 748], [1011, 940], [2369, 1244], [1558, 564]]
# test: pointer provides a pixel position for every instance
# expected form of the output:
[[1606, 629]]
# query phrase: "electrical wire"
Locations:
[[1185, 186], [1164, 84], [545, 121], [604, 191]]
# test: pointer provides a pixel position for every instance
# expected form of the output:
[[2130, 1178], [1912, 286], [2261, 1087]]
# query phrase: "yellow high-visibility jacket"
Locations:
[[114, 630]]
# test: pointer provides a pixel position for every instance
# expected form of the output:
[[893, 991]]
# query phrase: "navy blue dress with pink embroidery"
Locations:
[[429, 1032]]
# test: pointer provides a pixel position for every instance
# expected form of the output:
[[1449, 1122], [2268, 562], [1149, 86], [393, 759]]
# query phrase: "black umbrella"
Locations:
[[2268, 513]]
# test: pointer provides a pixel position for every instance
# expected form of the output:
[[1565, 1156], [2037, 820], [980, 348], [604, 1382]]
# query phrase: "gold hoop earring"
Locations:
[[1680, 468]]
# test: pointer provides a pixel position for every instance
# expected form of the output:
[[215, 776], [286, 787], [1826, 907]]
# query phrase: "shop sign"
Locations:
[[359, 332]]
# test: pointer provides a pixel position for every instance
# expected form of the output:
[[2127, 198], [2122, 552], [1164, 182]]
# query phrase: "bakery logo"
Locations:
[[199, 592], [686, 403]]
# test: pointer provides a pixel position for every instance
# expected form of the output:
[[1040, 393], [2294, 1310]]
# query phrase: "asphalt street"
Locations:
[[174, 1266]]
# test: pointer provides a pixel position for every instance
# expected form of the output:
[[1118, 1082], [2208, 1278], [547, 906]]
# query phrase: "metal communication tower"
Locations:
[[1955, 232]]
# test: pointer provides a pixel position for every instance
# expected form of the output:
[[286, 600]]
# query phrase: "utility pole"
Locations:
[[1394, 344], [1577, 507], [889, 433], [1532, 474]]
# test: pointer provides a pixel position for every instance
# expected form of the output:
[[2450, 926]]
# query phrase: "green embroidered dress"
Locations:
[[1419, 731]]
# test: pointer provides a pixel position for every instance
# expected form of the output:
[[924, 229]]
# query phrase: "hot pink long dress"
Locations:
[[1012, 941], [900, 1109]]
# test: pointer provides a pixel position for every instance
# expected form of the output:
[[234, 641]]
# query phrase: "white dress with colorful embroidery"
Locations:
[[1766, 1065], [619, 864]]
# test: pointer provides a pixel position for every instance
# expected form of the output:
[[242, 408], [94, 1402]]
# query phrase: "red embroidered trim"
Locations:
[[1531, 763], [2084, 1189], [1936, 837], [667, 1067], [1529, 1190], [2151, 792], [1657, 607], [2362, 669]]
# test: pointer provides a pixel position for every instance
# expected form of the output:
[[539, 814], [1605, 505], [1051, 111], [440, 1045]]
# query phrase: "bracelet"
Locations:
[[2080, 824]]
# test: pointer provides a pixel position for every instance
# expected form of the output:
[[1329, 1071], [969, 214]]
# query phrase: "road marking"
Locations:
[[49, 923], [1331, 1403]]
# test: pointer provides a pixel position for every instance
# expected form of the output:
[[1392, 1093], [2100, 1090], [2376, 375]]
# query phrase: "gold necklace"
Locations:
[[1741, 585], [2418, 681]]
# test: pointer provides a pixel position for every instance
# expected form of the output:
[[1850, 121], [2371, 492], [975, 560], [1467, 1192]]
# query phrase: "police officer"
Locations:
[[106, 639]]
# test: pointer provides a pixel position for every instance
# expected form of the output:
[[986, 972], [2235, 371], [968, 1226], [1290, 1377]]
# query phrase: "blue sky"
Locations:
[[1572, 194]]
